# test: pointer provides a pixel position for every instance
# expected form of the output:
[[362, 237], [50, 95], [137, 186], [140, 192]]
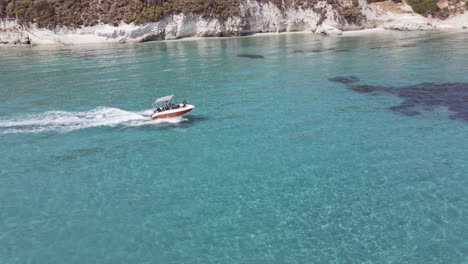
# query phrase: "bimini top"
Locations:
[[164, 99]]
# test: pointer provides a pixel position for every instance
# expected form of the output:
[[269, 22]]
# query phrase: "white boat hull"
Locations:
[[173, 112]]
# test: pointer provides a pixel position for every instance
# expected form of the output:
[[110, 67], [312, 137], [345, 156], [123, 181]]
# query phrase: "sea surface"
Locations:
[[276, 164]]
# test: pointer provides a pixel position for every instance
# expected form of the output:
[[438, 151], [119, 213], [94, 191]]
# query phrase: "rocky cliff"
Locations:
[[55, 21]]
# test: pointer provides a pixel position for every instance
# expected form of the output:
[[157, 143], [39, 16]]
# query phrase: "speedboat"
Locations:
[[166, 109]]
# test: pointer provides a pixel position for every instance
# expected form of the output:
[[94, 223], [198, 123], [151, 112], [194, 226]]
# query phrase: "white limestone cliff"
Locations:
[[256, 17], [12, 33], [393, 16]]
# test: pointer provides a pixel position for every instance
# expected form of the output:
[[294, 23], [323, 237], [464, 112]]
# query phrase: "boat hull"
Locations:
[[173, 113]]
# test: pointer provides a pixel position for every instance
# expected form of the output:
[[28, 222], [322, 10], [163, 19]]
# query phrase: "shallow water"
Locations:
[[276, 164]]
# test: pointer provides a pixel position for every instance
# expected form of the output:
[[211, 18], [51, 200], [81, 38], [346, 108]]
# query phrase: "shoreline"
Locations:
[[350, 33], [125, 33]]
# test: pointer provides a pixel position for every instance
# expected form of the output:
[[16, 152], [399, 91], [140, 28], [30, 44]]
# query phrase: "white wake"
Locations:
[[62, 121]]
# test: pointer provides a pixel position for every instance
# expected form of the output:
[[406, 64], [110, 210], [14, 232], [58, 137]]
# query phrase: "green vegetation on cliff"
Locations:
[[49, 13], [424, 7], [75, 13]]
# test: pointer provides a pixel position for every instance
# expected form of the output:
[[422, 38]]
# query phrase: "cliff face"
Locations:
[[195, 18], [12, 33], [250, 16], [76, 13], [441, 14]]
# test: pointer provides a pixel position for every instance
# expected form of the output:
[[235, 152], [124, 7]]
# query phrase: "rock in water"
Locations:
[[251, 56], [328, 30]]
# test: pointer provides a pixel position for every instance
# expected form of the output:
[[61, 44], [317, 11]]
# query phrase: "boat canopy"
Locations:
[[164, 99]]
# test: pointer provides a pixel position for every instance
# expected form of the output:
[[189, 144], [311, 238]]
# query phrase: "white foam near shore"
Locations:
[[363, 32], [279, 33], [63, 121]]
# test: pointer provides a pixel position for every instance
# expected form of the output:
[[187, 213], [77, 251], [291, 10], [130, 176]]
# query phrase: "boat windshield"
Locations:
[[165, 103], [164, 99]]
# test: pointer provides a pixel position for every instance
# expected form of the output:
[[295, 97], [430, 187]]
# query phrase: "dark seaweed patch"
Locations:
[[426, 96], [387, 47], [369, 88], [345, 79], [85, 57], [307, 51], [251, 56], [408, 46], [321, 50]]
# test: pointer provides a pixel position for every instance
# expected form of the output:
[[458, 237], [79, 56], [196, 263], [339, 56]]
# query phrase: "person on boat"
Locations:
[[184, 103]]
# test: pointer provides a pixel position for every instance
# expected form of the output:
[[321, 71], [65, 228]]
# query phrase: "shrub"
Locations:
[[44, 13], [424, 7], [3, 8], [352, 14]]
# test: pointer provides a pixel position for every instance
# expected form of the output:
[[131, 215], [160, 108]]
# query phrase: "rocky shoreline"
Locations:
[[259, 17]]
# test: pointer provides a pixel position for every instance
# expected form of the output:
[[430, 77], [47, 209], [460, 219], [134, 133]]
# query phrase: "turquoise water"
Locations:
[[276, 164]]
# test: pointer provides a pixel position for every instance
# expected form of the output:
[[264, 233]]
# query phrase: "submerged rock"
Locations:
[[321, 50], [454, 96], [251, 56], [408, 46]]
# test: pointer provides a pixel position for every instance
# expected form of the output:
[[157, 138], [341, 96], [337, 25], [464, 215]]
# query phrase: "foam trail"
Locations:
[[62, 121]]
